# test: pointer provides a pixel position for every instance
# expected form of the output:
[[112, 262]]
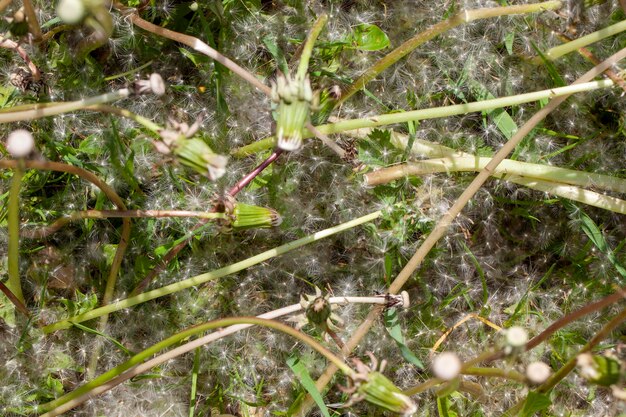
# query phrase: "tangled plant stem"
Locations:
[[202, 278], [444, 223], [432, 113]]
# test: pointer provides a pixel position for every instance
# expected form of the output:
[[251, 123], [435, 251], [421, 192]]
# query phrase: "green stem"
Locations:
[[303, 66], [445, 111], [571, 363], [53, 407], [13, 218], [462, 17], [52, 109], [495, 373], [506, 167], [202, 278], [147, 123], [566, 48], [432, 113]]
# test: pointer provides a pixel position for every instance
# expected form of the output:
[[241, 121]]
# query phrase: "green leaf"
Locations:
[[107, 337], [534, 403], [307, 382], [7, 310], [443, 407], [277, 53], [395, 331], [594, 234], [368, 37], [508, 42]]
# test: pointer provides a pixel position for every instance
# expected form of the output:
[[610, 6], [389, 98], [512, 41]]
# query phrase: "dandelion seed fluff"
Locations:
[[538, 372], [71, 11], [447, 366], [20, 143]]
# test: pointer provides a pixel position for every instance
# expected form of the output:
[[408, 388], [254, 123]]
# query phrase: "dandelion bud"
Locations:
[[447, 366], [538, 372], [20, 143], [293, 98], [247, 216], [71, 11], [515, 338], [196, 154], [377, 389], [598, 369]]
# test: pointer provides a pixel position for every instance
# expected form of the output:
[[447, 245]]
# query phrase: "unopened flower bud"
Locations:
[[247, 216], [293, 98], [538, 372], [447, 366], [20, 143], [193, 6], [598, 369], [380, 391], [196, 154]]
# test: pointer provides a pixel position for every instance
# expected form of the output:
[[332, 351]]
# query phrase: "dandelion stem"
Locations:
[[65, 402], [199, 46], [571, 363], [105, 108], [255, 172], [303, 66], [495, 373], [460, 18], [218, 273], [442, 226], [42, 232], [14, 283], [566, 48], [432, 113], [31, 18], [52, 109]]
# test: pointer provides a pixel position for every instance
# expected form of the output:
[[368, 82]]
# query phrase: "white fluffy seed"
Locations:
[[538, 372], [157, 85], [20, 143], [71, 11], [516, 336], [447, 366]]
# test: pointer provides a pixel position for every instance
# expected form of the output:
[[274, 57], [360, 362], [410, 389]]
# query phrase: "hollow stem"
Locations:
[[14, 283], [305, 56], [442, 225], [571, 363], [218, 273], [255, 172], [9, 44], [65, 402], [460, 18], [104, 384], [16, 302], [432, 113], [197, 45], [566, 48], [495, 373], [31, 18], [147, 123], [508, 166], [52, 109], [42, 232]]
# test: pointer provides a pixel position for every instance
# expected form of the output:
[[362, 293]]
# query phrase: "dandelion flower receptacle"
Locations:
[[246, 216], [293, 99], [599, 369]]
